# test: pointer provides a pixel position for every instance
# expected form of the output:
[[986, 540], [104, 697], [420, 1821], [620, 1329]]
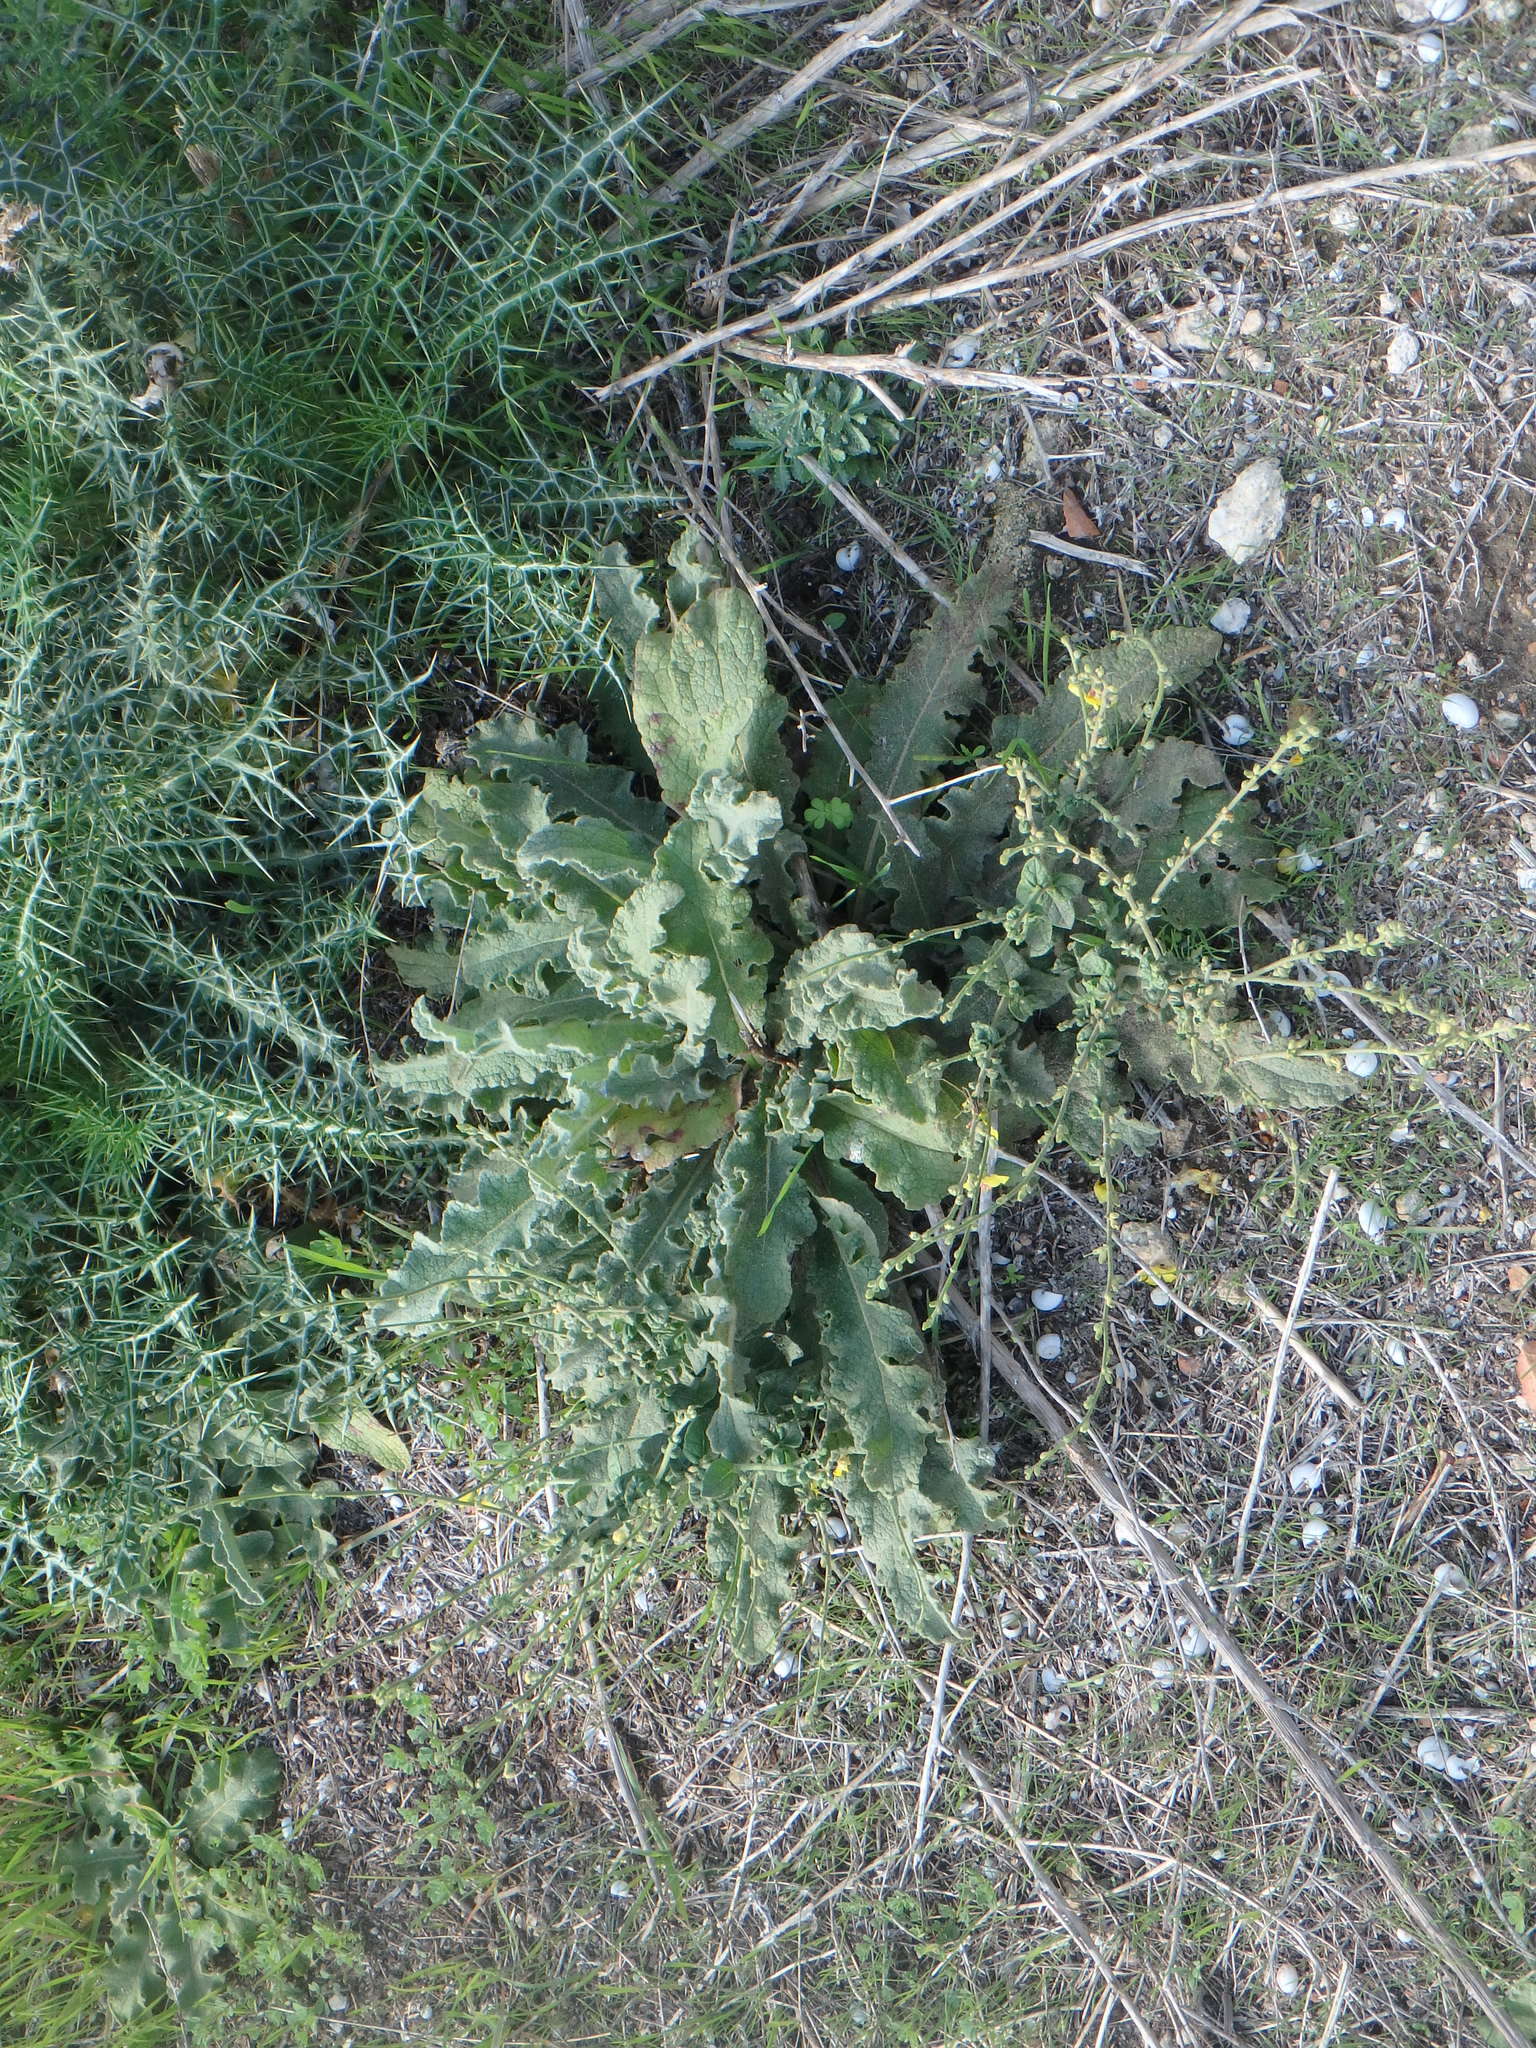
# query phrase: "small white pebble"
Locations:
[[1395, 519], [1276, 1021], [1287, 1980], [1047, 1349], [1385, 79], [1163, 437], [1315, 1529], [1052, 1680], [961, 352], [1459, 710], [992, 469], [1235, 729], [1195, 1643], [1373, 1220], [1232, 615], [1159, 1297], [837, 1528], [786, 1664], [849, 557], [1449, 1580], [619, 1890], [1361, 1063], [1396, 1350], [1010, 1624], [1164, 1671], [1429, 48], [1046, 1299], [1401, 1134], [1306, 1477], [1403, 352]]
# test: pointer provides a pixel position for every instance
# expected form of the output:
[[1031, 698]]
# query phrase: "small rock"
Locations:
[[837, 1529], [961, 352], [1010, 1624], [1287, 1980], [1362, 1064], [1232, 615], [1163, 436], [1052, 1680], [1416, 13], [1403, 352], [1164, 1671], [1344, 217], [1048, 1350], [1252, 323], [992, 469], [1429, 48], [1395, 518], [1448, 1580], [1235, 729], [1306, 1477], [1150, 1244], [1373, 1220], [1396, 1350], [1460, 710], [1502, 13], [1046, 1299], [786, 1664], [1198, 329], [849, 557], [1250, 512], [1315, 1530]]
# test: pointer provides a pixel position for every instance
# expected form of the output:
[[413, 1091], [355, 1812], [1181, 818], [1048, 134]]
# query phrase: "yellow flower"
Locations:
[[1159, 1276], [841, 1469]]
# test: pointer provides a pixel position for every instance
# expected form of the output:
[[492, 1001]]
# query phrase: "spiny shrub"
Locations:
[[698, 1101], [287, 328]]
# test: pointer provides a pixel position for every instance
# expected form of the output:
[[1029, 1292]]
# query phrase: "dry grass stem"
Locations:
[[1272, 1403], [859, 35]]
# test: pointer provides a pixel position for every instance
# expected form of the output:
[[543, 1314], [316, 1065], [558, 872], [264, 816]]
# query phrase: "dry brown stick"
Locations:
[[877, 533], [934, 149], [1071, 1435], [1272, 1404], [1320, 1370], [962, 196], [1194, 216], [858, 35], [663, 32], [930, 376], [1060, 1907], [754, 589]]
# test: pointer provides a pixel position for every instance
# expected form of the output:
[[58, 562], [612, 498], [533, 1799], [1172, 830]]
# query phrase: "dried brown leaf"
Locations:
[[1078, 520], [1525, 1368]]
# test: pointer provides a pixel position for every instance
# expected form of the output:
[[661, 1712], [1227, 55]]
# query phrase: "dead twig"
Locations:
[[859, 35], [929, 376], [871, 525], [1272, 1404], [1103, 558], [643, 46], [961, 197]]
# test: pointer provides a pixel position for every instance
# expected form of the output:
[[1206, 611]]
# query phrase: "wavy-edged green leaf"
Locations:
[[490, 1216], [622, 597], [848, 981], [524, 755], [229, 1795], [912, 1156], [506, 953], [702, 699], [688, 933]]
